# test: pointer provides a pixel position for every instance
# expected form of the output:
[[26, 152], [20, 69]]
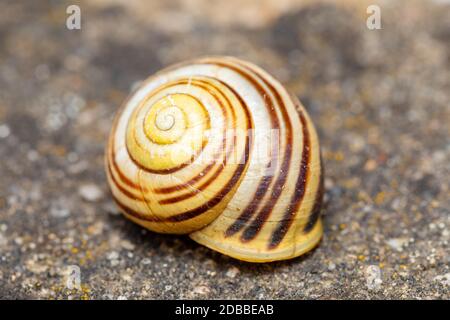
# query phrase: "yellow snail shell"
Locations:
[[192, 152]]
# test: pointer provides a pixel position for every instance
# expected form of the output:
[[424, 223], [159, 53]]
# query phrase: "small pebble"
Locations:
[[3, 240], [90, 192], [127, 245], [113, 255], [398, 243], [232, 272], [373, 278], [443, 279], [201, 290], [331, 266], [59, 212], [114, 263], [113, 258], [78, 167]]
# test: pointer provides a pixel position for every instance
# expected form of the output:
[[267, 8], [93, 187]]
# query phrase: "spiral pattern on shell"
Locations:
[[218, 149]]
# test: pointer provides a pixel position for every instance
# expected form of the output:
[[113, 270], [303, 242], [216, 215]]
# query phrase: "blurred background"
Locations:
[[380, 100]]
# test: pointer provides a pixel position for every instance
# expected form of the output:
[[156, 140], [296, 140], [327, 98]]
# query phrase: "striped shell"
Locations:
[[218, 149]]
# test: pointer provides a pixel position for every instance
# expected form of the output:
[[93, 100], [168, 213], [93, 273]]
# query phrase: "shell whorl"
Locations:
[[218, 149]]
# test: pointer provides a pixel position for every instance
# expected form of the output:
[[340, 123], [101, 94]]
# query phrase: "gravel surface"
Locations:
[[380, 100]]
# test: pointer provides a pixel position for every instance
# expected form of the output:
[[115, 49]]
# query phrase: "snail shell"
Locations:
[[218, 149]]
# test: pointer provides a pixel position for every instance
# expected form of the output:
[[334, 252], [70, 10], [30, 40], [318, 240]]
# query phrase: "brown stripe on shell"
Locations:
[[300, 188], [216, 156], [315, 212], [221, 167], [190, 182], [111, 159], [252, 230], [255, 227], [200, 209], [264, 183], [133, 212], [218, 197], [208, 168], [122, 189], [194, 192], [123, 178]]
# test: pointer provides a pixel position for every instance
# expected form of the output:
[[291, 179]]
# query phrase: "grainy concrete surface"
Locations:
[[380, 100]]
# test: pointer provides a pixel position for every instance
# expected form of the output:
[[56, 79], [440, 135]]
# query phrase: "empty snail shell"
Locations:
[[218, 149]]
